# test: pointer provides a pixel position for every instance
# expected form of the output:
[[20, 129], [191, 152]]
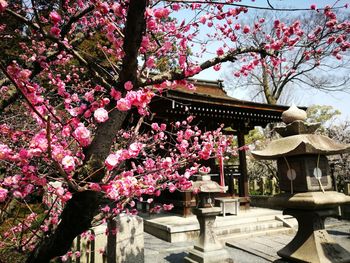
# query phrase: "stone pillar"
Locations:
[[235, 186], [207, 249], [347, 188], [255, 185], [262, 185], [312, 242], [129, 242], [273, 184]]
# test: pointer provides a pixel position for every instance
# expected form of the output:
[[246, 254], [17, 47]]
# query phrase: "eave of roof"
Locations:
[[223, 101]]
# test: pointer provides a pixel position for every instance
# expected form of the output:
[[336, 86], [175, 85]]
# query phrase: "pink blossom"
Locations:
[[111, 161], [313, 7], [171, 187], [101, 115], [168, 207], [18, 194], [3, 5], [161, 13], [55, 17], [67, 195], [113, 192], [83, 135], [123, 104], [155, 126], [175, 7], [5, 151], [135, 148], [24, 74], [104, 8], [220, 51], [116, 94], [95, 187], [150, 62], [55, 31], [217, 67], [204, 169], [106, 209], [39, 142], [128, 85], [166, 163], [68, 163], [246, 29], [202, 19], [3, 194]]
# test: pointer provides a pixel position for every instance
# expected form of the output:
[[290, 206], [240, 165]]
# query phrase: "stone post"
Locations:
[[262, 185], [207, 249], [347, 188], [273, 186], [129, 247]]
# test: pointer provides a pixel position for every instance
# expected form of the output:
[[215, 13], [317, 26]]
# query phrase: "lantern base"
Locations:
[[309, 200], [208, 248], [312, 242]]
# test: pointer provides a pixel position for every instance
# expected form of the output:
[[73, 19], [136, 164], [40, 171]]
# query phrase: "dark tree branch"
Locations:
[[270, 8], [105, 81], [67, 27], [175, 75], [11, 97]]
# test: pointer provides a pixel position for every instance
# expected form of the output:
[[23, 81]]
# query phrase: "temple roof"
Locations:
[[210, 102]]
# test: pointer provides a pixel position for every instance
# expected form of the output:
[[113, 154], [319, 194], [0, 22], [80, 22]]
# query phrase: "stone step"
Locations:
[[248, 227], [229, 221], [176, 229], [265, 232]]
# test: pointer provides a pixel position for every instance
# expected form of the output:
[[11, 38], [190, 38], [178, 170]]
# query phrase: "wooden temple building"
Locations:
[[213, 107]]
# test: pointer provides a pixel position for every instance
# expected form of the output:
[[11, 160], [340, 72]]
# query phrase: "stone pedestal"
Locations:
[[129, 242], [207, 249], [312, 242]]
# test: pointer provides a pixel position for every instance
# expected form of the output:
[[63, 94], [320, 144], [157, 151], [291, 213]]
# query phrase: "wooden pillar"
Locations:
[[243, 180]]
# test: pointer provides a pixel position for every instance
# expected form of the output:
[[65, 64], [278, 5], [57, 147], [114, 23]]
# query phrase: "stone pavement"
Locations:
[[254, 249]]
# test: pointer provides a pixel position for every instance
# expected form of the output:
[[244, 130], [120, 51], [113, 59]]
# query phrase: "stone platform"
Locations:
[[250, 249], [254, 221]]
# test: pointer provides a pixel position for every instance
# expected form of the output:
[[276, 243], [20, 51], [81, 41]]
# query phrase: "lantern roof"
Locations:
[[299, 145]]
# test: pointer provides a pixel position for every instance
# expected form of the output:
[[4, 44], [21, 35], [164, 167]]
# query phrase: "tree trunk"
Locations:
[[76, 218], [270, 99]]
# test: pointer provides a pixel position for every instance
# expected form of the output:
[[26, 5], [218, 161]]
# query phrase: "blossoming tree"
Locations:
[[313, 62], [77, 70]]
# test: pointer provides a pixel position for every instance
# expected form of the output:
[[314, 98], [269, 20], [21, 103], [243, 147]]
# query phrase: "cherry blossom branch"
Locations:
[[64, 46], [3, 69], [74, 19], [270, 8], [11, 96], [175, 75]]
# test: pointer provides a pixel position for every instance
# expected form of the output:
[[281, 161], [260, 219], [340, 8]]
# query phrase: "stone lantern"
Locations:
[[306, 185], [207, 248]]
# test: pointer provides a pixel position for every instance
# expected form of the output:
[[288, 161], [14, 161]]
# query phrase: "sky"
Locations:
[[305, 96]]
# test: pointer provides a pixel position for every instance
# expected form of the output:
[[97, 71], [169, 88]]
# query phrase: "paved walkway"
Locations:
[[258, 249]]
